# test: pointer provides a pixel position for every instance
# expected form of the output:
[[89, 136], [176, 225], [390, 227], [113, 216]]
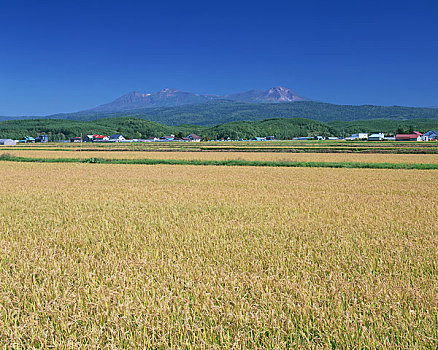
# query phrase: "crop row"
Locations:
[[226, 162]]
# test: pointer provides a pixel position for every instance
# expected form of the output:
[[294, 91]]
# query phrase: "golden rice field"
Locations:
[[263, 156], [200, 257]]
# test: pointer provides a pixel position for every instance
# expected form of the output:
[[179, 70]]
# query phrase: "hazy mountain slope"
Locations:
[[163, 98]]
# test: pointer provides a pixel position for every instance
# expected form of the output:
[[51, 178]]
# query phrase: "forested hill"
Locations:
[[281, 128], [220, 112], [139, 128], [214, 113]]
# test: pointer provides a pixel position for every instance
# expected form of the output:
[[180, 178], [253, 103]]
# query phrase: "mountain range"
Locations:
[[172, 98], [173, 107]]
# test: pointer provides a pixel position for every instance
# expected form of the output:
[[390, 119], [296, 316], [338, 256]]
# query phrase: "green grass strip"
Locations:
[[299, 149], [418, 166]]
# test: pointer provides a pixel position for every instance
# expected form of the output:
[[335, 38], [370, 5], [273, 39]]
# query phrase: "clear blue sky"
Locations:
[[65, 56]]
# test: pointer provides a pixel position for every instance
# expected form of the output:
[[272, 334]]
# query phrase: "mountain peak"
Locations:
[[135, 94], [169, 90], [280, 88], [275, 94], [283, 94], [169, 97]]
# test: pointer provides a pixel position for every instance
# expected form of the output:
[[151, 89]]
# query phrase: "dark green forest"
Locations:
[[210, 114], [221, 112], [388, 126], [281, 128]]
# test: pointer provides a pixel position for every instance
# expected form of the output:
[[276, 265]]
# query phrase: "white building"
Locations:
[[7, 142], [360, 136], [376, 137], [117, 138]]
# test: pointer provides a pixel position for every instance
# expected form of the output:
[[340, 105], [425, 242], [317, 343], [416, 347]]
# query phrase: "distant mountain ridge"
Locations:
[[174, 107], [173, 98]]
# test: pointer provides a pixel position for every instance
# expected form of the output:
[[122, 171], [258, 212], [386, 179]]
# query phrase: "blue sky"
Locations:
[[65, 56]]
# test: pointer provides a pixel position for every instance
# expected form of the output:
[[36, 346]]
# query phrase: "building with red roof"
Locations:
[[415, 136]]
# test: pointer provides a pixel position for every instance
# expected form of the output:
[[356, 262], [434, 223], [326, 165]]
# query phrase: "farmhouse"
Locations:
[[27, 139], [168, 138], [7, 142], [431, 134], [117, 138], [359, 136], [88, 138], [415, 136], [42, 138], [100, 138], [194, 138], [376, 137]]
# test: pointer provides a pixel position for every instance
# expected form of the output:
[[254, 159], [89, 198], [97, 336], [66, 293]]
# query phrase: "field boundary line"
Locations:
[[293, 164]]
